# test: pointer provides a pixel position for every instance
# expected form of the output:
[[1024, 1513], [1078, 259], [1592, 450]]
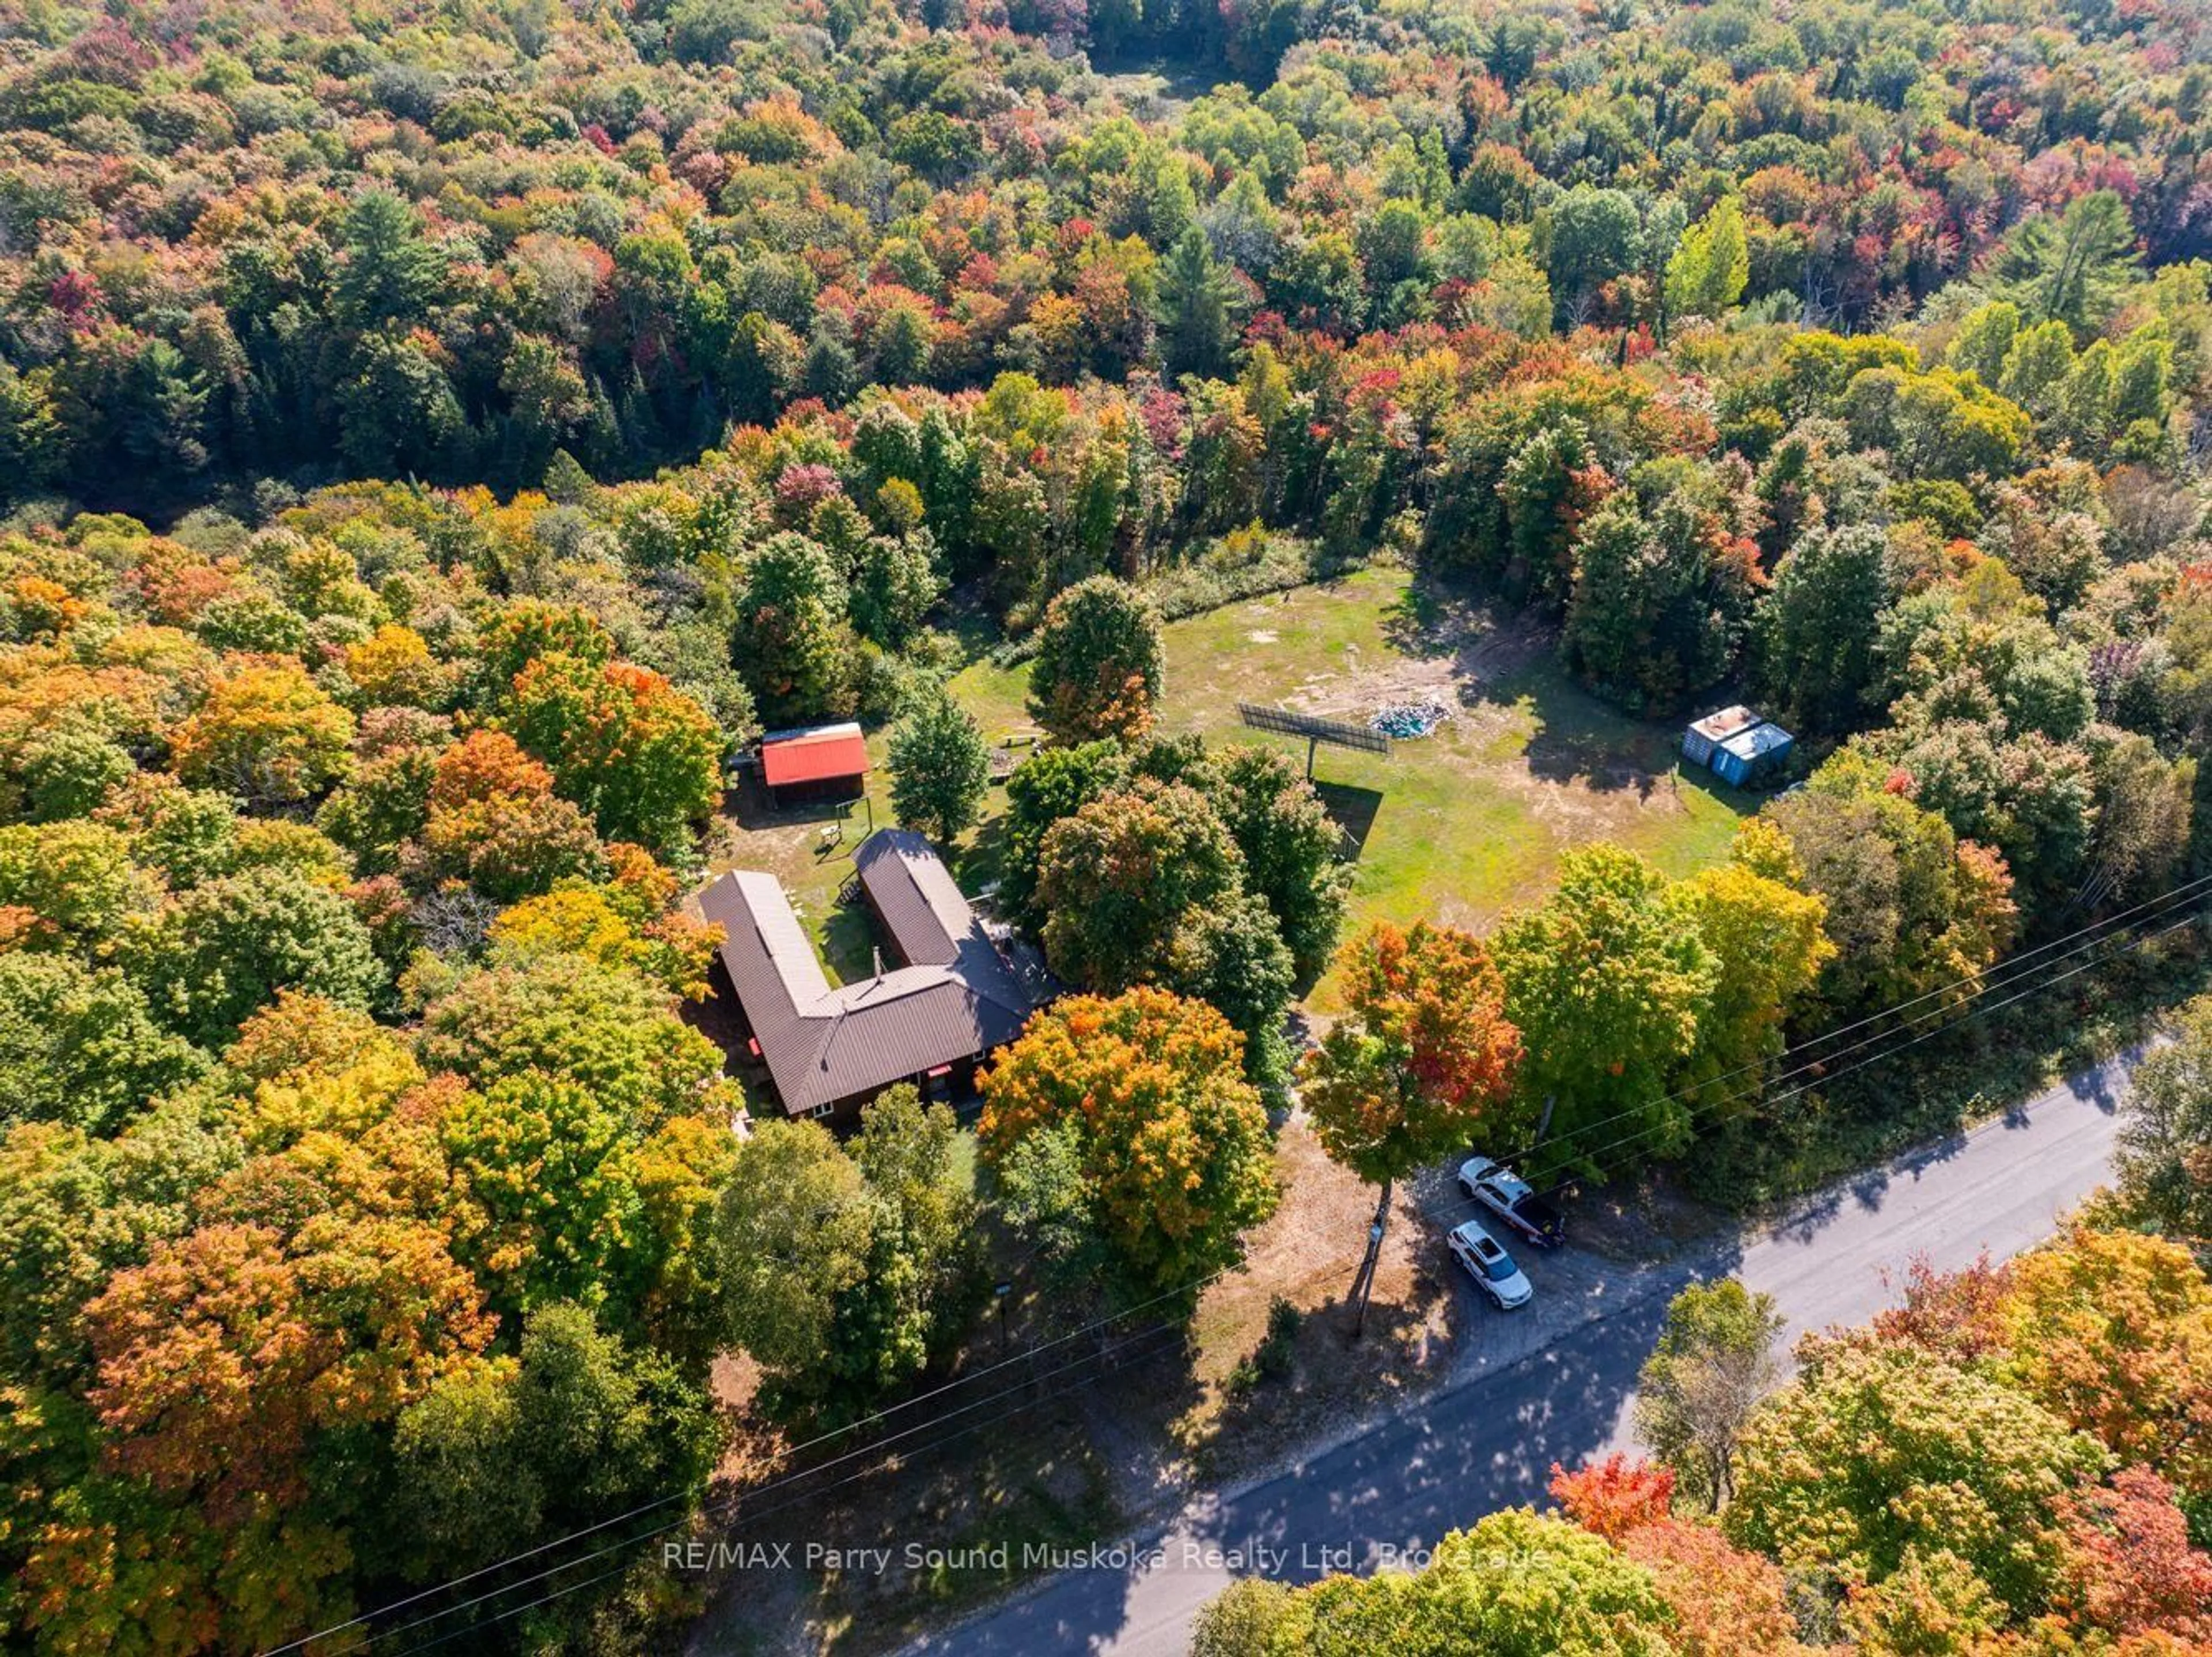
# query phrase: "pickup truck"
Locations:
[[1513, 1200]]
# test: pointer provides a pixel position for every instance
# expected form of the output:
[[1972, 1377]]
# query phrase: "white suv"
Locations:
[[1490, 1265]]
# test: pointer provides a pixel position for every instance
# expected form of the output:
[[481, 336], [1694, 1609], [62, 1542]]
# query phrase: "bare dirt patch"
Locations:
[[1115, 1441], [1638, 1220], [1307, 1254], [1456, 653]]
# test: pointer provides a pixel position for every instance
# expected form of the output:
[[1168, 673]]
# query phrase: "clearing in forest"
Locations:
[[1459, 826]]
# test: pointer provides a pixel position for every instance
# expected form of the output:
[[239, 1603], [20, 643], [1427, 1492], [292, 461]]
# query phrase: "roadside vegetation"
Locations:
[[2008, 1462]]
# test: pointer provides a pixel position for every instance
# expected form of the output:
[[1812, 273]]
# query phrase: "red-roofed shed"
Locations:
[[818, 762]]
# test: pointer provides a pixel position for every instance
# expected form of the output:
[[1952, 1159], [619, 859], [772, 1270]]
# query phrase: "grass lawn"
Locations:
[[1459, 826]]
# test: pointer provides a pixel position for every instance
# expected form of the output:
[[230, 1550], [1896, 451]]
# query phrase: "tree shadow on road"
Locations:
[[1468, 1453]]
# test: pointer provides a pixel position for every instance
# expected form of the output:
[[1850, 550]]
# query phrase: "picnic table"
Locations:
[[1005, 760]]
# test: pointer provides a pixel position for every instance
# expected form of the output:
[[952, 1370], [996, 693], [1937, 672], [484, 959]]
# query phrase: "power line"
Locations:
[[1876, 1058], [1166, 1326], [1995, 978], [1026, 1355], [1991, 978], [1987, 980], [512, 1611], [1175, 1329], [730, 1501], [775, 1484], [2011, 961], [1887, 1053], [1936, 1029]]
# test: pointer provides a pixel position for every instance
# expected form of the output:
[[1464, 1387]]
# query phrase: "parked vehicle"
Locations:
[[1490, 1265], [1513, 1200]]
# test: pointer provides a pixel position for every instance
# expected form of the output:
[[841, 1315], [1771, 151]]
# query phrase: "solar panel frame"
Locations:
[[1282, 721]]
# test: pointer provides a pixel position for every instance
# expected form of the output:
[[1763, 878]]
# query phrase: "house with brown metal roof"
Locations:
[[950, 999]]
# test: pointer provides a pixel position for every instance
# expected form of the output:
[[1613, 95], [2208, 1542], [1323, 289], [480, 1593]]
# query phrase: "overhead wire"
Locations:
[[1937, 1029], [1992, 978], [1950, 1015]]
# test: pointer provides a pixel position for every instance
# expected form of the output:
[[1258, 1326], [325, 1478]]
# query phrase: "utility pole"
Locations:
[[1362, 1286]]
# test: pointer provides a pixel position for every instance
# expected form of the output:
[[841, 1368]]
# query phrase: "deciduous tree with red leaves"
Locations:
[[1613, 1496], [1424, 1052], [1957, 1315], [223, 1357], [2131, 1566]]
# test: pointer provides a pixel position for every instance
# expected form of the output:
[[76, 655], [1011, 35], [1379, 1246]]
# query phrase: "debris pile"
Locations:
[[1406, 720]]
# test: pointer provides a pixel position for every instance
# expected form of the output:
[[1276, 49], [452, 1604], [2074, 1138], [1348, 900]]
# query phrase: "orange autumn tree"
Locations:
[[484, 765], [2112, 1334], [1423, 1054], [227, 1363], [1148, 1091], [264, 730], [1613, 1496], [495, 820], [2130, 1567], [1727, 1603], [223, 1357]]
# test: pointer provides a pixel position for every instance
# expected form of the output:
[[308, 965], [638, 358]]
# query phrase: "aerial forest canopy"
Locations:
[[436, 439]]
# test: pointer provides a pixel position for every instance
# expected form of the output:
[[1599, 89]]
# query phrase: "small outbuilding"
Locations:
[[814, 762], [1707, 734], [1737, 746]]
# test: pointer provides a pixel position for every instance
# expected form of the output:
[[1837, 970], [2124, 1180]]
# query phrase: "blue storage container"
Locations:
[[1748, 755]]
